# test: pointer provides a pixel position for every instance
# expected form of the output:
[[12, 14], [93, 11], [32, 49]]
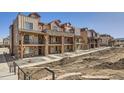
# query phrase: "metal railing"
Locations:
[[26, 76], [32, 41], [9, 60], [14, 68], [49, 70]]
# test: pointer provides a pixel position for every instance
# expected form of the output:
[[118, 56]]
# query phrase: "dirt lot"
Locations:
[[107, 64]]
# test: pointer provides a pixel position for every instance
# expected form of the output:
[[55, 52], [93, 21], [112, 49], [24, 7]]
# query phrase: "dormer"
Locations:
[[55, 25], [67, 27], [40, 25], [35, 15]]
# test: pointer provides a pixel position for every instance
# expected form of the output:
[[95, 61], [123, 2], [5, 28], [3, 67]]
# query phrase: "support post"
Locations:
[[62, 48], [46, 44], [22, 48]]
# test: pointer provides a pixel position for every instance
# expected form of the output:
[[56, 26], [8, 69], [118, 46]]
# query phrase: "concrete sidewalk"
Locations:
[[5, 74], [4, 69], [55, 57]]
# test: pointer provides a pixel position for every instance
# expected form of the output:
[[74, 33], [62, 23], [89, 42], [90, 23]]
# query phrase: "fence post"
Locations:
[[18, 74], [53, 73], [10, 68], [29, 77], [14, 68], [24, 77], [53, 76]]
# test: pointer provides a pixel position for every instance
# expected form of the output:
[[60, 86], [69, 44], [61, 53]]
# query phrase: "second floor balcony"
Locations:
[[55, 40], [30, 41], [68, 40], [59, 33]]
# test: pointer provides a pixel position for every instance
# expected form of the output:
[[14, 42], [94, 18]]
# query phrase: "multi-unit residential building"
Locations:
[[84, 37], [30, 37], [93, 39], [78, 39], [106, 40], [119, 42]]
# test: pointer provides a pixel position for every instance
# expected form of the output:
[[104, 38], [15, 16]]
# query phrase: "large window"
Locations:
[[28, 25]]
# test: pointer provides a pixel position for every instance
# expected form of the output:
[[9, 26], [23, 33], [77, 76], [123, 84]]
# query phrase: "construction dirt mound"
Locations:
[[115, 66]]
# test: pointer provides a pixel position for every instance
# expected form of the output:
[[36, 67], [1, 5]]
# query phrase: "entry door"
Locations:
[[40, 51]]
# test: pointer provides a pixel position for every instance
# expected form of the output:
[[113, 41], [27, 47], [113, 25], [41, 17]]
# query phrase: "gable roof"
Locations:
[[34, 13]]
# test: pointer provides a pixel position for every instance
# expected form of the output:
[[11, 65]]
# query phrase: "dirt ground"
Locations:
[[103, 65]]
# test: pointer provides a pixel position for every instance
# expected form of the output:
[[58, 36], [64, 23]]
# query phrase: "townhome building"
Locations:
[[84, 38], [30, 37], [119, 42], [106, 40], [93, 39], [78, 39], [25, 36]]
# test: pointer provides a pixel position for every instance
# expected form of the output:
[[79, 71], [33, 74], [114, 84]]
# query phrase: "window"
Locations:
[[28, 25], [28, 50], [26, 39], [56, 28]]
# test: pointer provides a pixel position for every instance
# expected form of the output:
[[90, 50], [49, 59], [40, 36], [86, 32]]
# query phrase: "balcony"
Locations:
[[31, 31], [68, 34], [55, 43], [59, 33], [55, 33], [68, 42], [33, 42], [78, 42]]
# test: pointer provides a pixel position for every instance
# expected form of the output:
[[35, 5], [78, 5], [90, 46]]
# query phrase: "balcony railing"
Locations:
[[78, 42], [33, 42], [68, 42], [59, 33], [55, 43], [32, 31], [68, 34], [53, 32]]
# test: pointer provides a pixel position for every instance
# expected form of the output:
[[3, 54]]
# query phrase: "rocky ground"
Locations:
[[107, 64]]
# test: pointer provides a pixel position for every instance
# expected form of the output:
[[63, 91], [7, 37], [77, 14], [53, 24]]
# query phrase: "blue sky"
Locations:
[[109, 23]]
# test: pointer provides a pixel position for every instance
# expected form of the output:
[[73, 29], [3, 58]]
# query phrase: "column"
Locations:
[[22, 48], [46, 44], [62, 48], [74, 45]]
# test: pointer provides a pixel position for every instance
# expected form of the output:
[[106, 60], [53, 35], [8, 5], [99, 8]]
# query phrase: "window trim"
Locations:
[[28, 26]]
